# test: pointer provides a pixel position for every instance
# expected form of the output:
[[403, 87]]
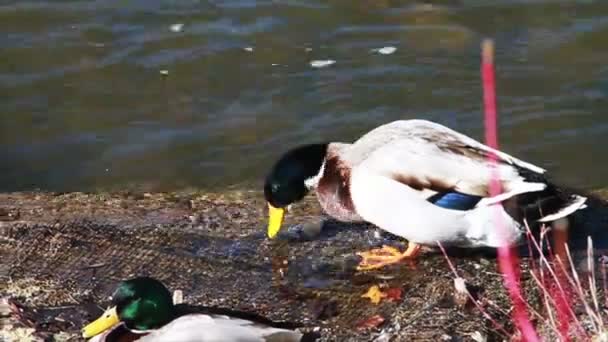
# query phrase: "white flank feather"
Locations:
[[518, 189], [398, 209], [204, 328]]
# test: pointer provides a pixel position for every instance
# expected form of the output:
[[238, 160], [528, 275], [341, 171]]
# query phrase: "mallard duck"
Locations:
[[421, 181], [143, 310]]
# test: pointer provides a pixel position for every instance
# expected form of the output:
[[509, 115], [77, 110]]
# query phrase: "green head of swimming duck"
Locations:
[[287, 181], [141, 303]]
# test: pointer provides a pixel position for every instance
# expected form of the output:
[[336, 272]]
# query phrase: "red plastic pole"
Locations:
[[507, 260]]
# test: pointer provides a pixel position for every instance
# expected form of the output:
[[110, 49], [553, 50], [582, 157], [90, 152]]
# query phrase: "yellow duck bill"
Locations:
[[103, 323], [275, 220]]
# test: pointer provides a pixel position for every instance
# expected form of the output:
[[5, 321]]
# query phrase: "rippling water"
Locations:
[[85, 105]]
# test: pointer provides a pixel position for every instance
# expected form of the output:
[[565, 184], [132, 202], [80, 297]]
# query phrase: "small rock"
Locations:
[[323, 309], [9, 215], [478, 337], [4, 212], [138, 196], [164, 72], [384, 336], [317, 283], [461, 295], [183, 202], [305, 231], [484, 262], [248, 49], [194, 218]]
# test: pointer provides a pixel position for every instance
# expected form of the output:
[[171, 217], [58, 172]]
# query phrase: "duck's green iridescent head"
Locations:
[[141, 303], [287, 181]]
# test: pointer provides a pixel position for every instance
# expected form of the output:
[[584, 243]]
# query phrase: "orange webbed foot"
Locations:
[[380, 257]]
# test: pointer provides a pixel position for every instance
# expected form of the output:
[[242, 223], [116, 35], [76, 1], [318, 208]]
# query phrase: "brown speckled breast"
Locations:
[[333, 190]]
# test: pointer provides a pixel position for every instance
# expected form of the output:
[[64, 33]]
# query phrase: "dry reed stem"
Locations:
[[499, 327], [543, 260]]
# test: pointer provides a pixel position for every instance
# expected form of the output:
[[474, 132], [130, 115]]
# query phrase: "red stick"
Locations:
[[507, 261]]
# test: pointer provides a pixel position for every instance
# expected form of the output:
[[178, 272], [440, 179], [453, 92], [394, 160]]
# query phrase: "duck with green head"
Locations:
[[143, 310], [419, 180]]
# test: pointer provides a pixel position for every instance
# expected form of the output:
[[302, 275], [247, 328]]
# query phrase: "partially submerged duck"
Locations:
[[143, 310], [419, 180]]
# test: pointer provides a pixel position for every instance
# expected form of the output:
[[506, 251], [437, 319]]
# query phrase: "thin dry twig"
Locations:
[[479, 307], [579, 289], [591, 276], [543, 260], [603, 268]]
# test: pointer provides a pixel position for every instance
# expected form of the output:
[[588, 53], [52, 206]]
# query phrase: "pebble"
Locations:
[[478, 337], [194, 218], [383, 337], [461, 295], [484, 262], [305, 231]]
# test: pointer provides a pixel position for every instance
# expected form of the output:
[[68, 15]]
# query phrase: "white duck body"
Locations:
[[206, 328], [387, 176]]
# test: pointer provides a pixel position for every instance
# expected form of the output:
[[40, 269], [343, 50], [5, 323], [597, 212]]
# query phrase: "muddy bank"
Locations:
[[63, 253]]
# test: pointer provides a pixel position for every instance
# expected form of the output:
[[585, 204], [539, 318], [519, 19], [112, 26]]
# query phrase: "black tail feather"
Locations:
[[536, 205]]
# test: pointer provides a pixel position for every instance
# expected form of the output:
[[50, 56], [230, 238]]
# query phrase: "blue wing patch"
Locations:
[[454, 200]]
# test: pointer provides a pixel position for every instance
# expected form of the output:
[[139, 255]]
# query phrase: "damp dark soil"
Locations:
[[62, 254]]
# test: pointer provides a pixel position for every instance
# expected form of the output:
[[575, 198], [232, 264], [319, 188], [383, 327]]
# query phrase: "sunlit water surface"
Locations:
[[171, 94]]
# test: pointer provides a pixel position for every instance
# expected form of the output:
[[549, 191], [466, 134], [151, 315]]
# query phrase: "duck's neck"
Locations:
[[333, 149], [312, 182]]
